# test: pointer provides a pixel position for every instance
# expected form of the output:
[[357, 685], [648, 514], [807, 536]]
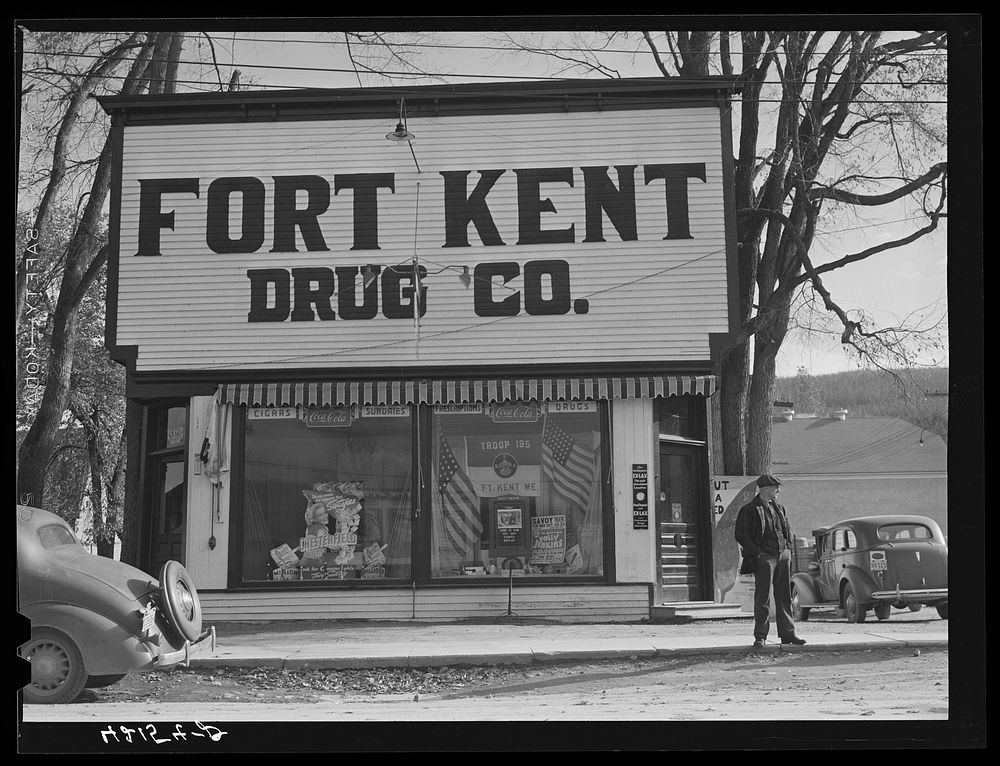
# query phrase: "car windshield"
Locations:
[[54, 535], [904, 532]]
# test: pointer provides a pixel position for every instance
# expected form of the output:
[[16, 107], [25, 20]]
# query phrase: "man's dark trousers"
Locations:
[[773, 570]]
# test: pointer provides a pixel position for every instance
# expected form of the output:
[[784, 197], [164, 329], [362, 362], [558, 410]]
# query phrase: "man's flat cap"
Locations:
[[766, 480]]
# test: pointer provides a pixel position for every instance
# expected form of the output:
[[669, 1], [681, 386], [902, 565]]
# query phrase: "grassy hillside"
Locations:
[[908, 394]]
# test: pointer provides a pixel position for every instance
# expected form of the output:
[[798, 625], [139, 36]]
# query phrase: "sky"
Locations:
[[899, 285], [893, 287]]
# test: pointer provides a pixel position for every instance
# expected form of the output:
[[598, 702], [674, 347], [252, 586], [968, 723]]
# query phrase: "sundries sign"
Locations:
[[522, 238]]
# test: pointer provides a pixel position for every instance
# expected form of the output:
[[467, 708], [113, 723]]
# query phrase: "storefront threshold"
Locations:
[[562, 603]]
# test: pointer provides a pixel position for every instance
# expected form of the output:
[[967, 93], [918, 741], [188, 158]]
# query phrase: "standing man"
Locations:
[[764, 535]]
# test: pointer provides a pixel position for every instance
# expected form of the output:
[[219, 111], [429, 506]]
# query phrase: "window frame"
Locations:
[[237, 504], [422, 444], [607, 523]]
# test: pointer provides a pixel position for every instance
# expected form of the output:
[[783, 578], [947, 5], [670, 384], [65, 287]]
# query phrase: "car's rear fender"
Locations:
[[861, 583], [106, 646], [808, 592]]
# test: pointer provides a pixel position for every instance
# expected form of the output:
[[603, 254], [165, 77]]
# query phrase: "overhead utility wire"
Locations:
[[517, 48], [573, 97], [685, 79]]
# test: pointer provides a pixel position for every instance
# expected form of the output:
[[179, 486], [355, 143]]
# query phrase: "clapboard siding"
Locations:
[[187, 309], [632, 442], [567, 603]]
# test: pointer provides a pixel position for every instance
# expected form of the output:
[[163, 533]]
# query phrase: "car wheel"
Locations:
[[853, 611], [915, 607], [799, 613], [180, 600], [99, 682], [57, 672], [882, 611], [942, 610]]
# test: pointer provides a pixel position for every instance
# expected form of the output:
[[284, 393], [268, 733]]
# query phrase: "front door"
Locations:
[[169, 506], [680, 513]]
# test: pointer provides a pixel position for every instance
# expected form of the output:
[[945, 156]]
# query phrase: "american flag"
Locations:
[[459, 502], [571, 466]]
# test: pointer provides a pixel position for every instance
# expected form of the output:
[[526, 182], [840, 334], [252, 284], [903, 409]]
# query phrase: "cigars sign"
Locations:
[[316, 242]]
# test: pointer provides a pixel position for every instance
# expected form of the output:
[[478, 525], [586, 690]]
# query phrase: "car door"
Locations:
[[845, 554], [828, 565]]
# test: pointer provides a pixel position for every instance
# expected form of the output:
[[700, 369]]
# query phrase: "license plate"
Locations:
[[148, 618], [878, 565]]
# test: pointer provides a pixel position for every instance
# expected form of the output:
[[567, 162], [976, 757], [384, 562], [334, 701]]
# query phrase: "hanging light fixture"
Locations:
[[401, 133], [464, 277]]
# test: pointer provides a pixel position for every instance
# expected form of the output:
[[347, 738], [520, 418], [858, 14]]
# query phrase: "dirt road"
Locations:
[[874, 684]]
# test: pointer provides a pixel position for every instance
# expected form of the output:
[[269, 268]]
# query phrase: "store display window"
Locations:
[[681, 417], [516, 488], [328, 493]]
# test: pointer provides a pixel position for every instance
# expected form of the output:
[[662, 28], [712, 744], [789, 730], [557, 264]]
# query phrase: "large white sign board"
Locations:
[[245, 245]]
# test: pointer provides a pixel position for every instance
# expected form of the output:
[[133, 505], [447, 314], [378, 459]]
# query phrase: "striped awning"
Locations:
[[337, 393]]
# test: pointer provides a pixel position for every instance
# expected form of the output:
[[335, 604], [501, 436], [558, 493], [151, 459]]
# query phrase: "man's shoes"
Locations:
[[758, 644], [793, 640]]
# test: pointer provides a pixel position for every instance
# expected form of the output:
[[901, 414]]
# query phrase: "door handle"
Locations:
[[678, 541]]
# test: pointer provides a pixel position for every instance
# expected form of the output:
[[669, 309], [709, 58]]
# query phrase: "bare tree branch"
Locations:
[[925, 41], [937, 170], [656, 54], [876, 120], [725, 56], [350, 57], [678, 65], [215, 61]]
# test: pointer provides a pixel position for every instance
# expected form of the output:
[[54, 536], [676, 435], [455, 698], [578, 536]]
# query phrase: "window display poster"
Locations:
[[508, 520], [640, 496], [548, 539], [508, 464], [339, 502]]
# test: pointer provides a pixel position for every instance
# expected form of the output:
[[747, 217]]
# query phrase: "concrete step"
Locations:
[[696, 610]]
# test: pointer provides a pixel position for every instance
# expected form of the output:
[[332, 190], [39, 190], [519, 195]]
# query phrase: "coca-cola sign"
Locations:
[[327, 417], [514, 412]]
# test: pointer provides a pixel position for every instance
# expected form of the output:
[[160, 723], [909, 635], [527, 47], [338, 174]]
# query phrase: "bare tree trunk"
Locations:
[[733, 401], [695, 50], [60, 152], [115, 490], [162, 76], [132, 510], [96, 461], [173, 62], [84, 259], [82, 253], [768, 341]]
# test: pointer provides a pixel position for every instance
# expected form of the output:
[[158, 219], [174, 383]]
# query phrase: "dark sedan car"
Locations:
[[875, 562], [93, 619]]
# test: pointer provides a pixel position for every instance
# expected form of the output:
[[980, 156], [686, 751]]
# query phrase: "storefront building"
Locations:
[[431, 372]]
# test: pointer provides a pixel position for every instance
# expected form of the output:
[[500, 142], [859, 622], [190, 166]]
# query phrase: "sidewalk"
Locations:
[[349, 644]]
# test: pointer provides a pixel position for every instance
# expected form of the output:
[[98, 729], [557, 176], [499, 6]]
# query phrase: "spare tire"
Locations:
[[180, 600]]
